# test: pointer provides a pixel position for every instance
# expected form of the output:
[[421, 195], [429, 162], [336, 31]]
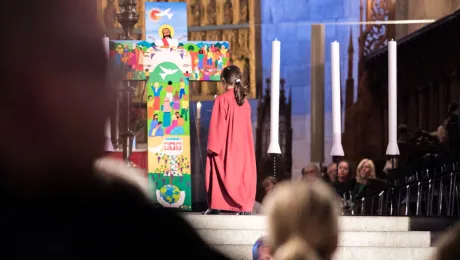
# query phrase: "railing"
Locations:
[[433, 190]]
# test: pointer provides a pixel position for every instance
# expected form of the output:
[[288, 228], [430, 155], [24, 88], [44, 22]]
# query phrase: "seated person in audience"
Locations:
[[389, 165], [261, 250], [364, 172], [403, 134], [332, 173], [448, 246], [268, 184], [310, 233], [310, 172], [345, 181], [452, 126]]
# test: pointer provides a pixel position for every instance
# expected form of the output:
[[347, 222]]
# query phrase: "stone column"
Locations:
[[317, 93], [401, 13]]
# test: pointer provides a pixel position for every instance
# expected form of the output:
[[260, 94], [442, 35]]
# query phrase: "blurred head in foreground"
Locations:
[[302, 221], [448, 246], [56, 95]]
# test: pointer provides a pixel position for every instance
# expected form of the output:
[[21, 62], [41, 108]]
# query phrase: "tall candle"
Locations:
[[274, 146], [198, 110], [392, 148], [337, 149]]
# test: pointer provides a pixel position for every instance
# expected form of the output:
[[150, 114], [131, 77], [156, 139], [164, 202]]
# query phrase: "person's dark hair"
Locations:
[[403, 129], [232, 75], [150, 96], [351, 173], [169, 82]]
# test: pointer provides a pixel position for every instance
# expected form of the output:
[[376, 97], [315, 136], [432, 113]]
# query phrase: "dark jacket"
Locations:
[[96, 221]]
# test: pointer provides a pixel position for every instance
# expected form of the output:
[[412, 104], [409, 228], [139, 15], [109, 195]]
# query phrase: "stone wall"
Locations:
[[420, 10]]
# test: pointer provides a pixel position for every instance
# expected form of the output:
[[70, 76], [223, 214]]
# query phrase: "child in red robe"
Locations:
[[231, 175]]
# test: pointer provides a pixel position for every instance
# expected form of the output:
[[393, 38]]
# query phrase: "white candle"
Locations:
[[106, 42], [198, 110], [337, 149], [274, 147], [392, 148]]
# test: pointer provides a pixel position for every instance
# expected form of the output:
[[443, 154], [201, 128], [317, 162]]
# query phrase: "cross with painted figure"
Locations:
[[167, 66]]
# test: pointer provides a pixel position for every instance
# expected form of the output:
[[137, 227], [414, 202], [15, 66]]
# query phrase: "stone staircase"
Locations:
[[361, 238]]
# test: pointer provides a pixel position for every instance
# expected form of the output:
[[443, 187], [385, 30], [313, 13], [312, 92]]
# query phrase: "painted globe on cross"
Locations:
[[170, 194]]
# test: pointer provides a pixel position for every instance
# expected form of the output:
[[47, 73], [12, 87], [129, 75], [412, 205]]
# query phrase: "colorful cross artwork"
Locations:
[[167, 66]]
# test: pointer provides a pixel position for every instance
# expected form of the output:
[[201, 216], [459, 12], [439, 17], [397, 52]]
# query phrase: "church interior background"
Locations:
[[251, 25]]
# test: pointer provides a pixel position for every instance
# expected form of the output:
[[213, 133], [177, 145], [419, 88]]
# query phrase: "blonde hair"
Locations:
[[359, 179], [447, 247], [302, 221]]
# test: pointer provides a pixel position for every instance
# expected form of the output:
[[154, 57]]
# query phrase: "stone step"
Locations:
[[414, 239], [352, 223], [240, 252]]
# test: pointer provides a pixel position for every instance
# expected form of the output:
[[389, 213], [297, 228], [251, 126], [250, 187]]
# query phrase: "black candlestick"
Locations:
[[336, 160], [128, 17], [274, 169]]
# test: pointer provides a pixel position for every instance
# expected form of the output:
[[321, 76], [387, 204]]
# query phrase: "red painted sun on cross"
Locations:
[[153, 14]]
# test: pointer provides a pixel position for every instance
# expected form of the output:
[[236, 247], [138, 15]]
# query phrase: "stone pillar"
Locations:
[[317, 93], [198, 159], [401, 13]]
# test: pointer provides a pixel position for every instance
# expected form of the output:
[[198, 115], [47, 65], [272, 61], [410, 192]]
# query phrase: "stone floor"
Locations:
[[361, 238]]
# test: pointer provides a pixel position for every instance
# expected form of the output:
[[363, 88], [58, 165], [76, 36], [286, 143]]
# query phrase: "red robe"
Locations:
[[231, 174]]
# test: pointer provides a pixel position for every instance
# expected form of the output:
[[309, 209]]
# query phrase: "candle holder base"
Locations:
[[274, 155]]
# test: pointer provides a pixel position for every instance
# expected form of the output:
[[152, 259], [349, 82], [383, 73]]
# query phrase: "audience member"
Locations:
[[302, 221], [345, 180], [364, 172], [332, 172], [311, 172], [451, 124], [261, 250], [268, 184], [52, 200], [448, 246]]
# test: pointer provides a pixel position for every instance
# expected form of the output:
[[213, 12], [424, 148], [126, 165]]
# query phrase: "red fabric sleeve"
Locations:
[[218, 126]]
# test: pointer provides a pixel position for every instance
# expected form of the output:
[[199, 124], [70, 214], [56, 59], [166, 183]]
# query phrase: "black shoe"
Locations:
[[211, 212], [244, 213]]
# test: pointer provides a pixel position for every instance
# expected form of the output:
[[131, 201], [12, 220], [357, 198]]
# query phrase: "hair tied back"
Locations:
[[296, 248], [238, 80]]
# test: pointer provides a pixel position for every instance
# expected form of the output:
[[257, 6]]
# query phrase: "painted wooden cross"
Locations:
[[167, 64]]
